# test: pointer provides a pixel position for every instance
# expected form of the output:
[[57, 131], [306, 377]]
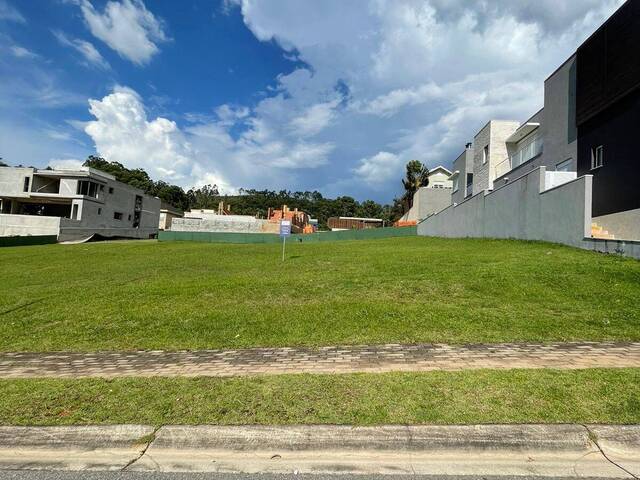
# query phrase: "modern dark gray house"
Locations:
[[608, 119]]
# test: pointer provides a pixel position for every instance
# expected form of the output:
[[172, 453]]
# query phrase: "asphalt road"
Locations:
[[61, 475]]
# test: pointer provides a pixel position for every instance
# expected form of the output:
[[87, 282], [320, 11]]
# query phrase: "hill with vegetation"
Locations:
[[249, 201]]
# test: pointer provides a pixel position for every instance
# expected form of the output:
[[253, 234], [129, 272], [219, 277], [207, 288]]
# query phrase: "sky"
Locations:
[[331, 95]]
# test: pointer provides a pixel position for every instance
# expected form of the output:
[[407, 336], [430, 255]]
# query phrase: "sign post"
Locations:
[[285, 231]]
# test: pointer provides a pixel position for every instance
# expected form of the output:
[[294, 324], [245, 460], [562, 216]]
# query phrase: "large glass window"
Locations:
[[90, 189], [564, 166], [469, 189], [527, 149]]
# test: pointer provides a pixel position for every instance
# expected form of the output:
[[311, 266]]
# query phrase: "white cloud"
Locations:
[[230, 114], [21, 52], [314, 119], [58, 135], [204, 151], [8, 12], [127, 27], [379, 169], [390, 103], [86, 49], [121, 132], [65, 163]]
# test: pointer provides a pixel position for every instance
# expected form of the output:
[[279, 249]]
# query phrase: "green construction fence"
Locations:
[[27, 240], [227, 237]]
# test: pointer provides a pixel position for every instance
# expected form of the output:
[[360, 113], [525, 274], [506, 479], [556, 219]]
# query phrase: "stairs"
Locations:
[[598, 232]]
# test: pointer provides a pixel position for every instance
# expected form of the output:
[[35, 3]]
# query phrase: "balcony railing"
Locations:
[[529, 150]]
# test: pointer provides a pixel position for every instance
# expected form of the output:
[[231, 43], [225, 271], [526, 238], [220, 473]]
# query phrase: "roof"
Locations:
[[167, 207], [522, 131], [361, 219], [79, 172], [439, 168]]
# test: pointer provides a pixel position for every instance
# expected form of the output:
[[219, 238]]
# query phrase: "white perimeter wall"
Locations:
[[520, 209], [532, 207], [225, 223], [17, 225]]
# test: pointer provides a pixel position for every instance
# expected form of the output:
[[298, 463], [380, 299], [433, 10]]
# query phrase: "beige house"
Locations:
[[167, 214], [432, 198]]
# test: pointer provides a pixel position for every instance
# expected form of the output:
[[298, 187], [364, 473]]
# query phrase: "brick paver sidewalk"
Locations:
[[347, 359]]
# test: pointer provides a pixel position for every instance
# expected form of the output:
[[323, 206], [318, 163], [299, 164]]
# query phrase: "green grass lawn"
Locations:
[[149, 295], [480, 396]]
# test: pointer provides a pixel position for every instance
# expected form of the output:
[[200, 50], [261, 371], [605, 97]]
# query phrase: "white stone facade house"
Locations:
[[73, 205]]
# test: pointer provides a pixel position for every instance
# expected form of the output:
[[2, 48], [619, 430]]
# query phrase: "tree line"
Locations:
[[249, 201]]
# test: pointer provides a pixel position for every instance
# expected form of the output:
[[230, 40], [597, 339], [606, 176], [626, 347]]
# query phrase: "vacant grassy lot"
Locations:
[[481, 396], [148, 295]]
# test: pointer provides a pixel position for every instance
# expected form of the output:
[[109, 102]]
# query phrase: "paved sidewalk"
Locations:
[[346, 359]]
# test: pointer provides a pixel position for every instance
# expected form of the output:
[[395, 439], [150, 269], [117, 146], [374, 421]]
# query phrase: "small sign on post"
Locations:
[[285, 231]]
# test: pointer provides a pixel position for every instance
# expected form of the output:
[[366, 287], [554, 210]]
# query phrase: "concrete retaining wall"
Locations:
[[527, 209], [224, 223], [14, 225]]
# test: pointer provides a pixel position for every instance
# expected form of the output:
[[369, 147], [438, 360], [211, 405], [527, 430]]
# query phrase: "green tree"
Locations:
[[370, 209], [416, 176], [171, 194], [206, 196], [135, 177]]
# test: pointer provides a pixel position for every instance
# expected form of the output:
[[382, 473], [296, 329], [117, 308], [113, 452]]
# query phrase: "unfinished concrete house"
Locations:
[[73, 205]]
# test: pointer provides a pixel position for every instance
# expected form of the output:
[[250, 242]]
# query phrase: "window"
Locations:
[[74, 212], [129, 218], [110, 189], [455, 184], [87, 188], [99, 211], [469, 189], [26, 184], [438, 185], [597, 157], [485, 154], [102, 188], [117, 216], [564, 166]]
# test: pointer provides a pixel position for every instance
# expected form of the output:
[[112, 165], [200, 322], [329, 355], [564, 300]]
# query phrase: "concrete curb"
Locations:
[[72, 448], [503, 450], [620, 444]]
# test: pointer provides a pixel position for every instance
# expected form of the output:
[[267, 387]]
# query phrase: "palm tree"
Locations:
[[416, 176]]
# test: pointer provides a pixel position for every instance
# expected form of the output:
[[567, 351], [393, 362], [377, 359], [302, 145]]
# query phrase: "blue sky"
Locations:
[[334, 95]]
